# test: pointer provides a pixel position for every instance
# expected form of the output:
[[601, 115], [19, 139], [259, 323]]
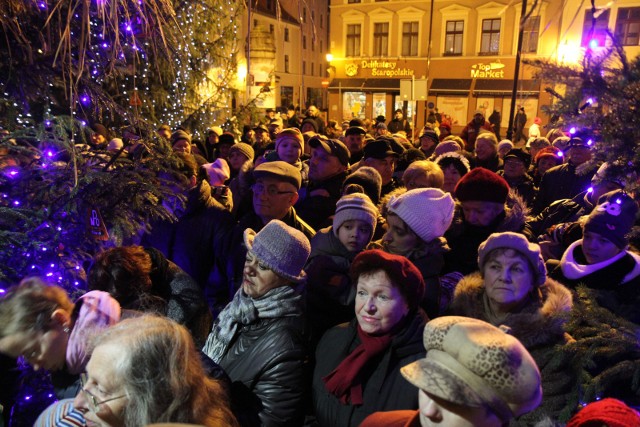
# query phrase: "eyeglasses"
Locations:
[[94, 405], [271, 190]]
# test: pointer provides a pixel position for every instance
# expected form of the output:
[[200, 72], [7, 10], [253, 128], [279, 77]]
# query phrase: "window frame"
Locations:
[[380, 39], [455, 34], [622, 39], [413, 38], [491, 33], [353, 41]]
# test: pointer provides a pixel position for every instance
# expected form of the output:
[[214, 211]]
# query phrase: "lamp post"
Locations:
[[514, 92]]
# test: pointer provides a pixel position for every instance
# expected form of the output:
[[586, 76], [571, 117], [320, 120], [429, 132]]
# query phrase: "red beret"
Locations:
[[482, 185], [404, 275]]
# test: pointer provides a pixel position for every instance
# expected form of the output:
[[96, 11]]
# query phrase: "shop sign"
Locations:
[[379, 68], [492, 70]]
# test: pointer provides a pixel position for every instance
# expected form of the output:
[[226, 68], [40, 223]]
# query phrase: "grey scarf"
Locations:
[[282, 301]]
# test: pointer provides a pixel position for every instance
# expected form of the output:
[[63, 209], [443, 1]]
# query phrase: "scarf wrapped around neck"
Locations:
[[345, 382], [283, 301]]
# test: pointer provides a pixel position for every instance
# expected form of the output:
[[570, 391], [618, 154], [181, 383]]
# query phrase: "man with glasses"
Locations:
[[275, 191], [328, 167]]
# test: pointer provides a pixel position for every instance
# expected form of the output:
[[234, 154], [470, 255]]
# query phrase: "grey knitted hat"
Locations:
[[519, 243], [283, 249]]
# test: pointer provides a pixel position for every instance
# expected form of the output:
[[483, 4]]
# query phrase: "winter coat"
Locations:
[[470, 133], [616, 280], [197, 241], [395, 126], [464, 239], [384, 389], [494, 164], [561, 211], [317, 202], [561, 182], [540, 327], [523, 186], [268, 366], [330, 291]]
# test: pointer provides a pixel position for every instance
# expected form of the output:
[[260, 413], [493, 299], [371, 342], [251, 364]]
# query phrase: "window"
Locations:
[[410, 39], [353, 40], [304, 42], [286, 34], [321, 46], [353, 1], [304, 14], [313, 67], [628, 26], [286, 63], [490, 44], [321, 21], [595, 35], [381, 39], [255, 22], [271, 28], [453, 38], [530, 35], [270, 5], [313, 16]]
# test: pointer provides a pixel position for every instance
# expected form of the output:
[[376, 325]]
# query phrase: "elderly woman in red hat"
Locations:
[[358, 363]]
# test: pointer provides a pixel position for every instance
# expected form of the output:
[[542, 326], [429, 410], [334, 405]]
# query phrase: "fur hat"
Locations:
[[218, 172], [505, 143], [283, 249], [355, 206], [447, 146], [613, 217], [178, 135], [610, 412], [279, 170], [290, 133], [244, 149], [520, 244], [370, 181], [482, 185], [472, 363], [455, 158], [402, 272], [427, 211]]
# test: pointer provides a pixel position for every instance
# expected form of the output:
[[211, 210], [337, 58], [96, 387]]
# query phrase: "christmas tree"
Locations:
[[599, 101]]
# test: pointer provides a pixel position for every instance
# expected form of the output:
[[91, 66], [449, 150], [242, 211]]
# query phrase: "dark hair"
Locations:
[[445, 162]]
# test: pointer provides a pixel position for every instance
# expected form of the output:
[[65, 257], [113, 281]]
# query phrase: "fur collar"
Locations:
[[573, 270], [539, 323]]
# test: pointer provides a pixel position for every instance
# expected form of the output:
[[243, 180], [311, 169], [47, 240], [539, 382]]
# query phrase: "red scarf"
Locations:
[[345, 382]]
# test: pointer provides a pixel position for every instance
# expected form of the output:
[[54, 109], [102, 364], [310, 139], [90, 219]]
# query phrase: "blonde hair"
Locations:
[[30, 305], [424, 168]]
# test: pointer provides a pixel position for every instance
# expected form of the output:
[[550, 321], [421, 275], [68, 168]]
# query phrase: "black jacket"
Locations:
[[317, 202], [385, 389], [268, 367], [561, 182]]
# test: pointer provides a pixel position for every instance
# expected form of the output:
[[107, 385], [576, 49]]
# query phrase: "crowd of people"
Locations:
[[326, 274]]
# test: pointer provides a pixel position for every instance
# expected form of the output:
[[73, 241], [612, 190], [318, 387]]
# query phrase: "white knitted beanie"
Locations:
[[427, 211], [355, 206]]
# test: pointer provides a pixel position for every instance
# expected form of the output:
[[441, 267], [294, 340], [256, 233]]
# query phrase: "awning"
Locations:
[[363, 84], [460, 87], [487, 87]]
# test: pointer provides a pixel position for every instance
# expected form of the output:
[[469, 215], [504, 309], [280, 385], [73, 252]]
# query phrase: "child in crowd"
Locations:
[[330, 295]]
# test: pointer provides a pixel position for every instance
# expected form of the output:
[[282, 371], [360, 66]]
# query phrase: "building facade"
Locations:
[[283, 54], [462, 58]]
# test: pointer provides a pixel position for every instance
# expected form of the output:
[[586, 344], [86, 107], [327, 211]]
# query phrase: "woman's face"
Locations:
[[379, 304], [485, 149], [41, 349], [258, 278], [451, 178], [399, 238], [545, 163], [508, 279], [597, 248], [236, 160], [105, 384], [182, 146]]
